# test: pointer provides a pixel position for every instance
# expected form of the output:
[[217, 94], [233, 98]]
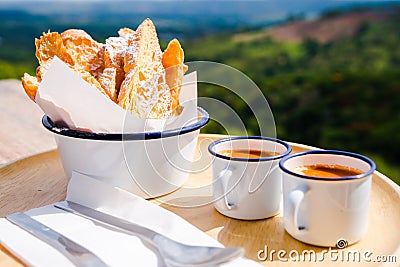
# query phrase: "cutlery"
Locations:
[[174, 253], [77, 254]]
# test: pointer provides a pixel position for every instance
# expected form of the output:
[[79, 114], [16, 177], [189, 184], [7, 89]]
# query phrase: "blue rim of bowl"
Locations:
[[334, 152], [51, 126], [287, 152]]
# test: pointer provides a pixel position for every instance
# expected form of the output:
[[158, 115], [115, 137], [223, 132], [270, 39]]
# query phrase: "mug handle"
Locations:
[[296, 197], [228, 197]]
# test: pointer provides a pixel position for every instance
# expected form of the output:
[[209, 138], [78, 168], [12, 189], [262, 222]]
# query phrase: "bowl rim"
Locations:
[[52, 127]]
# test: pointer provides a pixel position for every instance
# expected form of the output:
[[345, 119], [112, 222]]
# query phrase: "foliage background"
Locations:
[[341, 94]]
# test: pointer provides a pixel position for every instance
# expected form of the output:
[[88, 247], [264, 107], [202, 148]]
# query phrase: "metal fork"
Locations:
[[174, 253]]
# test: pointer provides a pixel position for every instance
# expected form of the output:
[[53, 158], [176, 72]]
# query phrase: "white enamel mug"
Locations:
[[247, 188], [326, 211]]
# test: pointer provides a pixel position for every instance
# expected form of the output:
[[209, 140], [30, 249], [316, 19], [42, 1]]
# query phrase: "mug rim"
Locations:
[[227, 139], [51, 126], [333, 152]]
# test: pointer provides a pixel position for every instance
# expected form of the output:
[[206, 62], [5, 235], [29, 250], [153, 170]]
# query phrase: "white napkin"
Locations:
[[113, 247]]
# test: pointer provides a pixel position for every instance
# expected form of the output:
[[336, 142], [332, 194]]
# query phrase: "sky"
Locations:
[[250, 10], [342, 1]]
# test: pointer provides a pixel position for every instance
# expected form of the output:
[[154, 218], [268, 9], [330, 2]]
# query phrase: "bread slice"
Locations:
[[31, 85], [125, 32], [172, 60], [47, 46], [113, 73], [86, 52], [108, 82], [144, 91], [75, 48], [50, 44]]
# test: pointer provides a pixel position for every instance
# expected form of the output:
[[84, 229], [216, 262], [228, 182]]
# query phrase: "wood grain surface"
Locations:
[[39, 180], [22, 133]]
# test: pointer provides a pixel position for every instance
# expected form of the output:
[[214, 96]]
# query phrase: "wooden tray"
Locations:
[[39, 180]]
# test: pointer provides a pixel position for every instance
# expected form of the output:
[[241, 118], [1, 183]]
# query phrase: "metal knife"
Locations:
[[104, 218], [77, 254]]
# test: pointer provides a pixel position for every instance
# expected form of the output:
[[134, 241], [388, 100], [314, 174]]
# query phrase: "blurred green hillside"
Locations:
[[341, 93]]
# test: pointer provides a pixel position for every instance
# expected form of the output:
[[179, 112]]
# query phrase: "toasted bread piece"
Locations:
[[144, 90], [41, 70], [49, 45], [31, 85], [172, 60], [131, 53], [114, 52], [114, 59], [86, 52], [108, 80], [153, 97], [125, 32]]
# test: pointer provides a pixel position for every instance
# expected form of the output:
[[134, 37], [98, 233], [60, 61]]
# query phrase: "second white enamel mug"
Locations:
[[248, 188]]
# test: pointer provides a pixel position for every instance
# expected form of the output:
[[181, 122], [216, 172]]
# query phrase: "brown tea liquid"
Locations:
[[247, 153], [327, 171]]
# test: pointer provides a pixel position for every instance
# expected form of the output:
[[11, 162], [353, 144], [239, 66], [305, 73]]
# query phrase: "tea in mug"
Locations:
[[327, 171], [247, 153]]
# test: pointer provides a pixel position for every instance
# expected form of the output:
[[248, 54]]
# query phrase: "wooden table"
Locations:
[[21, 134], [39, 179]]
